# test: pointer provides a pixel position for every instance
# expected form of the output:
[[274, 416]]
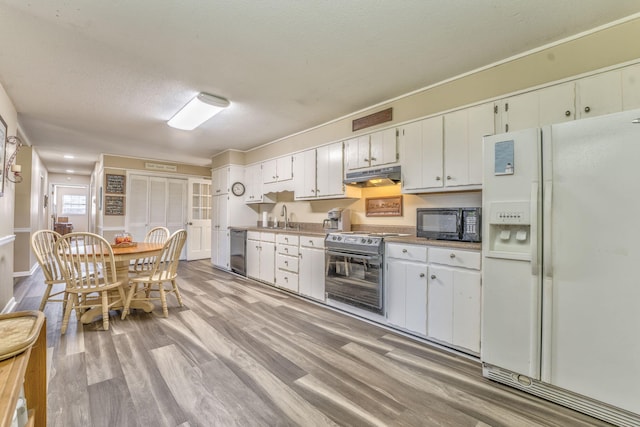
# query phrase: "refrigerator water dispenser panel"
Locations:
[[510, 230]]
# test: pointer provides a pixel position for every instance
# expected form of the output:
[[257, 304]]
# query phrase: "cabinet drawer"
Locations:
[[287, 280], [455, 258], [253, 235], [287, 239], [312, 242], [288, 250], [406, 252], [285, 262], [267, 237]]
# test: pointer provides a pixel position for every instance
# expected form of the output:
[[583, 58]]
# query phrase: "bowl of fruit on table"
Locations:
[[124, 240]]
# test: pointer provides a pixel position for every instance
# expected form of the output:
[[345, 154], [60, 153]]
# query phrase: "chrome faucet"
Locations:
[[284, 212]]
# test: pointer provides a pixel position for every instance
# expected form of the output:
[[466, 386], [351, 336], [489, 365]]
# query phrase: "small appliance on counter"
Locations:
[[461, 224], [339, 219]]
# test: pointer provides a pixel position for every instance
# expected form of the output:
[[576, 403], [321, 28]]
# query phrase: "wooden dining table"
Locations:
[[123, 257]]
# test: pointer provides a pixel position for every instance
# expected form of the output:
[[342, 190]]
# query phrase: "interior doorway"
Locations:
[[71, 202]]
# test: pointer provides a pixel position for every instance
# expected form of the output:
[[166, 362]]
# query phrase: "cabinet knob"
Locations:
[[311, 242], [404, 251], [452, 255], [587, 109], [421, 274], [437, 178], [286, 263], [366, 160], [567, 113], [274, 177], [448, 177], [373, 159], [433, 276]]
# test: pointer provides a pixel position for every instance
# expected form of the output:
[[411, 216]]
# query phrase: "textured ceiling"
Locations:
[[90, 77]]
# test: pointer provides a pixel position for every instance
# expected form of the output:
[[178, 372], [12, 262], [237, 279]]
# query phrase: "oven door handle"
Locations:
[[351, 255]]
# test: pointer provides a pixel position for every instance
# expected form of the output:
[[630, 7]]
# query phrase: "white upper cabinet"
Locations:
[[599, 94], [421, 151], [318, 173], [220, 181], [463, 132], [253, 184], [329, 170], [553, 104], [277, 170], [379, 148], [304, 170]]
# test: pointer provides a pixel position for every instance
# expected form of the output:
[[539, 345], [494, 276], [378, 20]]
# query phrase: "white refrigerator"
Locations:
[[561, 264]]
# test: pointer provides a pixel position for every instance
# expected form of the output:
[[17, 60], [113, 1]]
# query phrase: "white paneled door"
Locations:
[[154, 201], [199, 219]]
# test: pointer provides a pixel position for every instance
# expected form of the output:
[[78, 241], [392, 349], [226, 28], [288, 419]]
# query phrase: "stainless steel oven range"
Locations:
[[354, 269]]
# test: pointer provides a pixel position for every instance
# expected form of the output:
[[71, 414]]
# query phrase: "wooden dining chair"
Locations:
[[143, 265], [42, 244], [164, 270], [89, 269]]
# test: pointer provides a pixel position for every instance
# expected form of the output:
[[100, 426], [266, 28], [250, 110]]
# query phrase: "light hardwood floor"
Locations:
[[246, 354]]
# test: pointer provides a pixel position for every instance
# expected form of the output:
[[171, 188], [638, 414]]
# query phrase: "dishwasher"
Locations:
[[238, 251]]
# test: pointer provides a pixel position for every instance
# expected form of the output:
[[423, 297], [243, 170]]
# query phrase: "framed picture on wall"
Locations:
[[3, 148]]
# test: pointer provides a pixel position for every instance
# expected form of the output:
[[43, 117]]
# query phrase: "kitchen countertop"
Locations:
[[412, 239], [432, 242]]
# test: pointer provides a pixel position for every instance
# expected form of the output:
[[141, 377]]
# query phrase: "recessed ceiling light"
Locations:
[[70, 171], [197, 111], [69, 156]]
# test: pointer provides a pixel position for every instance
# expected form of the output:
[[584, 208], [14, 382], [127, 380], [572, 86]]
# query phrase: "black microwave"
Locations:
[[461, 224]]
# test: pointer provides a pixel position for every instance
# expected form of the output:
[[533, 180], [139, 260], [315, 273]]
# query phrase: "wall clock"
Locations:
[[237, 189]]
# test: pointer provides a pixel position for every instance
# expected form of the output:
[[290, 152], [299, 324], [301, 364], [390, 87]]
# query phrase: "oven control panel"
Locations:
[[354, 239]]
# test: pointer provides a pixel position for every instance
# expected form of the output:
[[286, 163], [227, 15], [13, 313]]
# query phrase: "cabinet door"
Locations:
[[599, 94], [268, 262], [396, 292], [304, 170], [329, 170], [253, 259], [480, 123], [383, 147], [466, 309], [284, 168], [269, 171], [440, 307], [631, 87], [220, 181], [456, 148], [557, 104], [416, 298], [421, 151], [517, 112], [357, 152], [253, 188], [220, 248]]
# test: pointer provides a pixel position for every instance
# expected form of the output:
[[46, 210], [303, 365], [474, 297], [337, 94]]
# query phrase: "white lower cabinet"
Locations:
[[261, 251], [311, 267], [406, 287], [434, 292], [287, 262], [454, 298]]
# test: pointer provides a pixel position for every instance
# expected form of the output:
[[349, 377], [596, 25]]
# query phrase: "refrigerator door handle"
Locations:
[[533, 203], [548, 199]]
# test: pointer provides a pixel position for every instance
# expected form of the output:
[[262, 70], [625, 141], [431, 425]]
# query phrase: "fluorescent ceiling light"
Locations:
[[68, 156], [197, 111], [70, 171]]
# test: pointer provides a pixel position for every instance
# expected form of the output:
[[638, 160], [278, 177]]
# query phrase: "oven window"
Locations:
[[439, 222], [355, 279]]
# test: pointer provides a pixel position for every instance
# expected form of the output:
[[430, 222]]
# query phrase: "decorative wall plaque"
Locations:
[[384, 206], [115, 184], [372, 119], [114, 205]]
